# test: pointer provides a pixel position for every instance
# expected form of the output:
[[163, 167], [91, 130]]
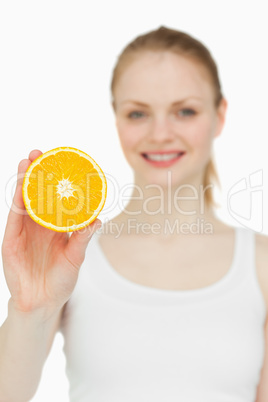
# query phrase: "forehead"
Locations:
[[156, 76]]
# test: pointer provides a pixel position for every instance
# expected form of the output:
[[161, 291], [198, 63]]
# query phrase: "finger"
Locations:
[[17, 210], [76, 247], [23, 166], [34, 154], [17, 199], [89, 230]]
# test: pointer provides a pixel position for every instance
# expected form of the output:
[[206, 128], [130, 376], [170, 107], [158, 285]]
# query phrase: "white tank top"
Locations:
[[126, 342]]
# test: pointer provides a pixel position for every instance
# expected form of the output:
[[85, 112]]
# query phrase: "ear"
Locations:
[[221, 115]]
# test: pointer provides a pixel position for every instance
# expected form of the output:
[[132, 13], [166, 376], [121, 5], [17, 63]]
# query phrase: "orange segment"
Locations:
[[64, 189]]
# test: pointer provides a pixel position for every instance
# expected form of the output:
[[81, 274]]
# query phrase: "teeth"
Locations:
[[162, 157]]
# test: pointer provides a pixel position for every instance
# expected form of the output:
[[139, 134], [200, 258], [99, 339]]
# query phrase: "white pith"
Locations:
[[64, 188]]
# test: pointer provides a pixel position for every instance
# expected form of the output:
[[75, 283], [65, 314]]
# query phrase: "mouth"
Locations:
[[162, 159]]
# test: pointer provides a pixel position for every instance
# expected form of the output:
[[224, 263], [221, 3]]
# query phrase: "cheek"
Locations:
[[129, 136], [200, 136]]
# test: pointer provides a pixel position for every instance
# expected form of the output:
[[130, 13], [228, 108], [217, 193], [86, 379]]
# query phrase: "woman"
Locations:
[[170, 303]]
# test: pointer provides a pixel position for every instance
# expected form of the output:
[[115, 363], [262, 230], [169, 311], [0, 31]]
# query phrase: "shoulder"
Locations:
[[262, 273], [261, 242]]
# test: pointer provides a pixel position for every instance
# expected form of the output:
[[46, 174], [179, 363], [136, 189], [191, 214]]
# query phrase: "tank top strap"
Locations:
[[247, 268], [245, 251]]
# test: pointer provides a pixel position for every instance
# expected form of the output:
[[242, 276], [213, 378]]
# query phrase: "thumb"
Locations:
[[77, 244]]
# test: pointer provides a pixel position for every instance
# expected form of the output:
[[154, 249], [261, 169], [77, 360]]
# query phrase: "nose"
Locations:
[[161, 130]]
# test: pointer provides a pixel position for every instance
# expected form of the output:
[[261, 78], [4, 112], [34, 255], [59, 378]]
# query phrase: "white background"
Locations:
[[56, 59]]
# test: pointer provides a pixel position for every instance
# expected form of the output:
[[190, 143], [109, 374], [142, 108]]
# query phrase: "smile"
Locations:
[[162, 159]]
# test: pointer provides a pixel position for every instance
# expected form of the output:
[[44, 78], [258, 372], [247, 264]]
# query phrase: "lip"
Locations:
[[162, 164]]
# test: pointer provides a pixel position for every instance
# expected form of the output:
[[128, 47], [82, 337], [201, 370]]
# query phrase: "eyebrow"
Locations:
[[173, 104]]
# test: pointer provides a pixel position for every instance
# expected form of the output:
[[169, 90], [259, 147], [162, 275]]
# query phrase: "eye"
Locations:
[[135, 115], [186, 112]]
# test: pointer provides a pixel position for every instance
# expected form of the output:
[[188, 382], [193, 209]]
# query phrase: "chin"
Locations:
[[164, 178]]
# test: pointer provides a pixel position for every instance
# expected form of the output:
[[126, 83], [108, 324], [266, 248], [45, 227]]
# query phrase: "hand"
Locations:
[[41, 266]]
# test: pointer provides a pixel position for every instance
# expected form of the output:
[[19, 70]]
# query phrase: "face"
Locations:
[[166, 118]]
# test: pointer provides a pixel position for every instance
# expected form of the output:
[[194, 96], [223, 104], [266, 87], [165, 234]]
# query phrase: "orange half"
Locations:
[[64, 189]]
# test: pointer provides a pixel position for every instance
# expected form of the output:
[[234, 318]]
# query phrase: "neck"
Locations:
[[153, 209]]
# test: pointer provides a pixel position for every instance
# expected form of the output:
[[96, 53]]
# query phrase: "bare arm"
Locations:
[[25, 341], [262, 271], [262, 391], [41, 269]]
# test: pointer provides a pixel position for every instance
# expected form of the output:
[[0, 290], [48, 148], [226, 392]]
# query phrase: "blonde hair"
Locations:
[[166, 39]]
